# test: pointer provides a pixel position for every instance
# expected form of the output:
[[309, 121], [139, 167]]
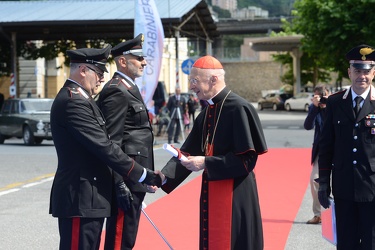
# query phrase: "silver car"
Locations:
[[300, 101]]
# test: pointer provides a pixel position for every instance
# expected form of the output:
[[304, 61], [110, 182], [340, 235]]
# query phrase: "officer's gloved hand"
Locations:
[[152, 179], [323, 194], [124, 196]]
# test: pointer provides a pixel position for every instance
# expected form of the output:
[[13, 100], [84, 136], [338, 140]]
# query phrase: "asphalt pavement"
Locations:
[[32, 226], [302, 236]]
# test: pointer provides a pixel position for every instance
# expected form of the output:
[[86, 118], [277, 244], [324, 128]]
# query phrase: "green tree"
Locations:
[[49, 50], [331, 28], [310, 72]]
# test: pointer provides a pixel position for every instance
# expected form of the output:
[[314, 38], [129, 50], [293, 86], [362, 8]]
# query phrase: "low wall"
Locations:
[[248, 79]]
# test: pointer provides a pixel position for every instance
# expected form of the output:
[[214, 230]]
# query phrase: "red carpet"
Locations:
[[282, 178]]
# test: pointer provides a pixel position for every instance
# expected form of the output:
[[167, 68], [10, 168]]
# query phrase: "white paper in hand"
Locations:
[[173, 151]]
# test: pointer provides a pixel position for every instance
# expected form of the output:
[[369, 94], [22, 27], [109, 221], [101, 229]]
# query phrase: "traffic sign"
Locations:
[[12, 90], [186, 66]]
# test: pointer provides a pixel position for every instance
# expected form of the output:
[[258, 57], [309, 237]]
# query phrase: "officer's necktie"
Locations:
[[357, 107]]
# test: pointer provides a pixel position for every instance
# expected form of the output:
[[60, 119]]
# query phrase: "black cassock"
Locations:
[[230, 135]]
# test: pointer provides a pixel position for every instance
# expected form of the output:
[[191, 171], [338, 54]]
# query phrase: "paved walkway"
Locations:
[[302, 236]]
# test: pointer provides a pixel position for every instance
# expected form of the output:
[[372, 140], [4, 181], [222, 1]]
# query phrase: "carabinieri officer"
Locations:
[[128, 125], [347, 151], [82, 191]]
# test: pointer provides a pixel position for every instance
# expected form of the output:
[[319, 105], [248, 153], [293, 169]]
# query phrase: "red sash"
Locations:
[[220, 196]]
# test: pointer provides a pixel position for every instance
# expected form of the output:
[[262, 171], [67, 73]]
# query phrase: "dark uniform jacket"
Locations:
[[83, 181], [128, 123], [173, 104], [347, 147]]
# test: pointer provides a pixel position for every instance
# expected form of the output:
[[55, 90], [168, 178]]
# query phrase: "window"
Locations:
[[7, 107]]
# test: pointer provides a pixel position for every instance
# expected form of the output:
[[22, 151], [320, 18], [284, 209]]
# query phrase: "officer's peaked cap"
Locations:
[[97, 57], [361, 57], [133, 47]]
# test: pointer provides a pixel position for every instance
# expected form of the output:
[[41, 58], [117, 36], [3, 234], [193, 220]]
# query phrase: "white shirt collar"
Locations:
[[363, 95], [210, 100]]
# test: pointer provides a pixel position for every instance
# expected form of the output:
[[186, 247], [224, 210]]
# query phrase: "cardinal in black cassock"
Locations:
[[225, 142]]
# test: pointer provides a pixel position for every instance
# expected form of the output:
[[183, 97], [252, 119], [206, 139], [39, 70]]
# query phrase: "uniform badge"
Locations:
[[142, 39], [370, 122], [364, 52]]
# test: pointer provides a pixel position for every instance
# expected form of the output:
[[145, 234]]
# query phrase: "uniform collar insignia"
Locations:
[[127, 85], [346, 93], [372, 93], [83, 93]]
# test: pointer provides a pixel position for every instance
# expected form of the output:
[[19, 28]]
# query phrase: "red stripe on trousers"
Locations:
[[119, 229], [76, 222]]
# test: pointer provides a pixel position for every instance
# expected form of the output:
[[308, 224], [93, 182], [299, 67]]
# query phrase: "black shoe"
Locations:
[[176, 142], [169, 142]]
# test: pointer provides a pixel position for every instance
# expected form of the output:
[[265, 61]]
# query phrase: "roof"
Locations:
[[85, 19], [280, 43]]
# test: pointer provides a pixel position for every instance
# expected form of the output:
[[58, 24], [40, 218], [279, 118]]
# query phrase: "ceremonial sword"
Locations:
[[153, 224]]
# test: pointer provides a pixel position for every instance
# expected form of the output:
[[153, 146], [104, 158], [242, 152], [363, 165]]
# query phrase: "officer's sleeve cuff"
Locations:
[[143, 177]]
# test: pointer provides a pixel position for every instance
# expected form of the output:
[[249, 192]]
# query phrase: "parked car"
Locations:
[[300, 101], [273, 100], [27, 118]]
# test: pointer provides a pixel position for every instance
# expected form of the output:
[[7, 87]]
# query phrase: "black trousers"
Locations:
[[174, 127], [192, 114], [355, 225], [79, 233], [122, 229]]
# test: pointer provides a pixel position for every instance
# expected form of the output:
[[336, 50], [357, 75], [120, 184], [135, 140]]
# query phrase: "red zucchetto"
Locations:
[[207, 62]]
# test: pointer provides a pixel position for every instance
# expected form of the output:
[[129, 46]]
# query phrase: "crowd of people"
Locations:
[[104, 144]]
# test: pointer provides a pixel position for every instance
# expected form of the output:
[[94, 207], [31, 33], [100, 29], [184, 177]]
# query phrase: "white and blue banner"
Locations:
[[148, 22]]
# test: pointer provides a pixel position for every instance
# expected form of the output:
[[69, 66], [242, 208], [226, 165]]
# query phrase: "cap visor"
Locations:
[[102, 67], [362, 65]]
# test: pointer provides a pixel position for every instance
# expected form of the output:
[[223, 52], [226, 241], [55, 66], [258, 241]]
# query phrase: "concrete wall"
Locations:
[[248, 79]]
